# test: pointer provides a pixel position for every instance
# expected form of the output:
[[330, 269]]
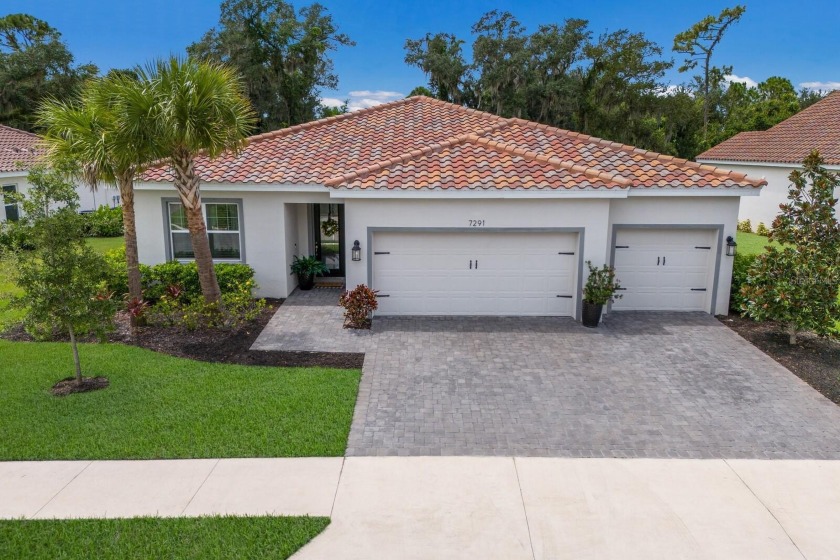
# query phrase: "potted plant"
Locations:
[[599, 290], [307, 268]]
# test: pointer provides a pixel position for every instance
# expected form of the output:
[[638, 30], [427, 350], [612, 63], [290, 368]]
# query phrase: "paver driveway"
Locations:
[[641, 385]]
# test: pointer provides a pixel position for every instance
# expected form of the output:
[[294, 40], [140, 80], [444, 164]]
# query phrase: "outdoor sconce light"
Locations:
[[730, 246], [356, 251]]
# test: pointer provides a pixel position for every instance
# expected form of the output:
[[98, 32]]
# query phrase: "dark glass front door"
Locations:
[[329, 236]]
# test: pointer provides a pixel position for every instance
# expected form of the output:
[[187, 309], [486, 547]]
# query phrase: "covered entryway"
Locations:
[[475, 272], [666, 269]]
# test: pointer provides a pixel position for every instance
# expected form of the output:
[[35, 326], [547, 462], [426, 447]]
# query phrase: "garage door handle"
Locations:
[[663, 261], [476, 264], [470, 264], [657, 261]]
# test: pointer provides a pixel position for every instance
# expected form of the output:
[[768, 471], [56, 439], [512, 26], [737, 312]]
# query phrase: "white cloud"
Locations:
[[749, 82], [331, 102], [820, 86], [362, 99]]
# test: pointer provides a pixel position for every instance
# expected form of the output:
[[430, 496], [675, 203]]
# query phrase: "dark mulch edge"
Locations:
[[813, 359], [68, 385], [217, 345]]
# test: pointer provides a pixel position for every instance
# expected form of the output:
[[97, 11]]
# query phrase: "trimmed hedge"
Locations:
[[232, 277], [104, 222]]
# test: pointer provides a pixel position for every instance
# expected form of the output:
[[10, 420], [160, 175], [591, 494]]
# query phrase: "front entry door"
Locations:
[[329, 237]]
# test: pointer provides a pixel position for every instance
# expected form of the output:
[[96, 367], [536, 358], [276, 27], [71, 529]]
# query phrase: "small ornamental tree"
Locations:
[[62, 278], [797, 283]]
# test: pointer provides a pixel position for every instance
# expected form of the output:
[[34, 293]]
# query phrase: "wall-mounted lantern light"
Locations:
[[356, 251], [730, 246]]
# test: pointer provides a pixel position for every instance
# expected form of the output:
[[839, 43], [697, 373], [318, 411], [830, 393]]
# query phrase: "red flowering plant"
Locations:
[[359, 305]]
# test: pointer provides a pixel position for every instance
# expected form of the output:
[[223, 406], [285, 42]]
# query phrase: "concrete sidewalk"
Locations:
[[471, 507]]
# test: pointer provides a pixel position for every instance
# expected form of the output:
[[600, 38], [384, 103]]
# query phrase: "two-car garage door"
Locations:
[[475, 272]]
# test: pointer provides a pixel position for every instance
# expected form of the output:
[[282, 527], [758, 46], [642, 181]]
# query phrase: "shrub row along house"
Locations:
[[451, 211], [19, 151], [772, 154]]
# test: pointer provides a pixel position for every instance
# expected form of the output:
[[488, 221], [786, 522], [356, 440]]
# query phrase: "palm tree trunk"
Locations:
[[187, 183], [132, 258], [76, 360]]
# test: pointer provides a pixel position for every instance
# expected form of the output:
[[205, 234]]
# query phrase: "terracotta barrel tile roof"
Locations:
[[790, 141], [18, 149], [420, 142]]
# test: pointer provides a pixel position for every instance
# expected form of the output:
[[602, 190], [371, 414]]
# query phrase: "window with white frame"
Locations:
[[10, 203], [223, 229]]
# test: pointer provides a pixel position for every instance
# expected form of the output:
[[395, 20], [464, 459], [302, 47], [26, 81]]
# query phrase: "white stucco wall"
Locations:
[[765, 208], [270, 222], [686, 211]]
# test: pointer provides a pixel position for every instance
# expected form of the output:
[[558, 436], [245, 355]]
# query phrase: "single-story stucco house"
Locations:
[[454, 211], [20, 150], [772, 154]]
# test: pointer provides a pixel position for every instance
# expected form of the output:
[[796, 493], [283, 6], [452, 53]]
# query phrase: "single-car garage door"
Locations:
[[475, 273], [665, 269]]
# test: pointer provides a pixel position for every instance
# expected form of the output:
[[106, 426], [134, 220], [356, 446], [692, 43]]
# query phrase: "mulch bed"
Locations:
[[218, 345], [231, 347], [68, 385], [813, 359]]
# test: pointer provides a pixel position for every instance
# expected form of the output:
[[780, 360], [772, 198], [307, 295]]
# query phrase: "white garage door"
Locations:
[[665, 269], [475, 273]]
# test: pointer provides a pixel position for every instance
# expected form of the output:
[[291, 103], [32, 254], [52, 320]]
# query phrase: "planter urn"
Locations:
[[591, 314], [306, 281]]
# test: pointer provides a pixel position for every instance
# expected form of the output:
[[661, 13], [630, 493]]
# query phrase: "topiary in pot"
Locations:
[[599, 290], [307, 268]]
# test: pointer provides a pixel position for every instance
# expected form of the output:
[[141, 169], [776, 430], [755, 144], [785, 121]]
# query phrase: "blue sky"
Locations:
[[797, 40]]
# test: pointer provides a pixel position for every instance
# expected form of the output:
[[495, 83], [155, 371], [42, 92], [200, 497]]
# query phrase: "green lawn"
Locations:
[[104, 244], [752, 243], [200, 538], [163, 407], [8, 289]]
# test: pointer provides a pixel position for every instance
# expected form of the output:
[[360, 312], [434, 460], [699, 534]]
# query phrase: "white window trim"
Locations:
[[167, 222]]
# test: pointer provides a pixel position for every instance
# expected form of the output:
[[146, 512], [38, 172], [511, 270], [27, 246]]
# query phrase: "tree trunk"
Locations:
[[132, 259], [187, 184], [76, 361], [706, 98], [792, 332]]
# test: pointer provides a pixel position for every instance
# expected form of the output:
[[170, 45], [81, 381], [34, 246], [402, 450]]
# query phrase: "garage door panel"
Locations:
[[475, 273], [664, 269]]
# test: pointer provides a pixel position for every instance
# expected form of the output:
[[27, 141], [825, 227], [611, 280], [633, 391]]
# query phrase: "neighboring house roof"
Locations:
[[790, 141], [421, 142], [18, 149]]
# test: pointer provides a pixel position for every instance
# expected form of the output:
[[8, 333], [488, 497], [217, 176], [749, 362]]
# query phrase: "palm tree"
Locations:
[[198, 107], [86, 133]]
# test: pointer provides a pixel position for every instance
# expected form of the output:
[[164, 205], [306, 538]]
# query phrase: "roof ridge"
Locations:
[[555, 161], [328, 120], [407, 156], [735, 176], [477, 138]]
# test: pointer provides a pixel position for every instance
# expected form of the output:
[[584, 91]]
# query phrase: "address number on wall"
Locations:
[[476, 223]]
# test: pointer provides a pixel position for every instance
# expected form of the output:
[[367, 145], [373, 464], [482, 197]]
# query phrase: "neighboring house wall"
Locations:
[[88, 200], [765, 208]]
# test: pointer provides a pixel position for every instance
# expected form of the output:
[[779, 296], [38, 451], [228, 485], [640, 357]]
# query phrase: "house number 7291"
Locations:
[[476, 223]]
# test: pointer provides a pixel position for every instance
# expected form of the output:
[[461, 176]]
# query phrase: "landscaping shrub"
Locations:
[[359, 304], [745, 226], [173, 309], [159, 278], [762, 229], [14, 236], [740, 270], [104, 222]]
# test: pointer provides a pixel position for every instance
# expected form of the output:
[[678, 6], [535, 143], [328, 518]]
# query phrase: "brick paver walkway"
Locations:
[[641, 385]]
